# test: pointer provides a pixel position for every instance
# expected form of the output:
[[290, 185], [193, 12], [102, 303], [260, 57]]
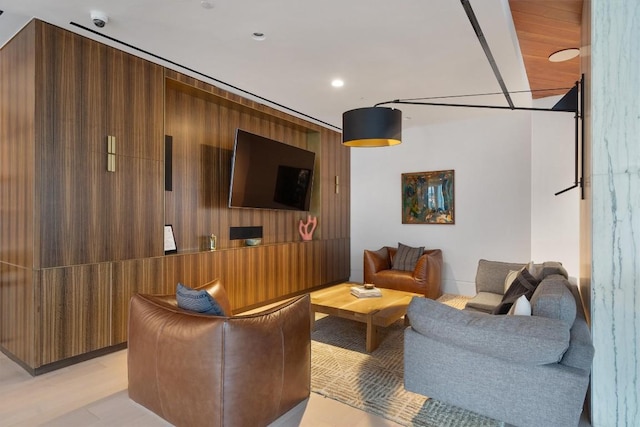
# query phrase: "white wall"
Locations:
[[491, 157], [555, 220]]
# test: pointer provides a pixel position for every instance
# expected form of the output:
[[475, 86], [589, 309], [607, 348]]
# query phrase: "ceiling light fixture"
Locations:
[[337, 83], [564, 54], [258, 36]]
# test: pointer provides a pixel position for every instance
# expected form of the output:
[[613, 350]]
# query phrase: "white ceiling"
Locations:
[[383, 50]]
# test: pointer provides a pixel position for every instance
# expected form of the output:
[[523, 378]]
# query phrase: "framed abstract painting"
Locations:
[[428, 197]]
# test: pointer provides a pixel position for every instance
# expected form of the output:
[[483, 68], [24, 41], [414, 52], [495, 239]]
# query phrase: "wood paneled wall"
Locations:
[[78, 241], [87, 92], [17, 289], [202, 125], [19, 325], [17, 149], [75, 311]]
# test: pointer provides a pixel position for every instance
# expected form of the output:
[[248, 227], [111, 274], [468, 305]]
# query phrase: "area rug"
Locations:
[[342, 370]]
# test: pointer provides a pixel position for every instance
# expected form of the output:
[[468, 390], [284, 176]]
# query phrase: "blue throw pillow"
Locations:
[[197, 300]]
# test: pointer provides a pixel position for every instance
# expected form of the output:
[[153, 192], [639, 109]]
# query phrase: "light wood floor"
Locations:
[[94, 393]]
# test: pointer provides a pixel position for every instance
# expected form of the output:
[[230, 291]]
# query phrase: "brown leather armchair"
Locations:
[[195, 370], [425, 279]]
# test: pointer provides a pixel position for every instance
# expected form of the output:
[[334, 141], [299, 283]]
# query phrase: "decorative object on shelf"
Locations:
[[305, 232], [212, 242], [252, 242], [428, 197], [169, 240]]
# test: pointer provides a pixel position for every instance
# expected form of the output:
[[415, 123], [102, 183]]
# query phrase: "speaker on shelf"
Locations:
[[237, 233]]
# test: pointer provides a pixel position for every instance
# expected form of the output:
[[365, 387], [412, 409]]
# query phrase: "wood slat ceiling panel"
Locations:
[[544, 27]]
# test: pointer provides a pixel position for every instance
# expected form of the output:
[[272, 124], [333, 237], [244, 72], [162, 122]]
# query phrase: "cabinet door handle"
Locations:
[[111, 153]]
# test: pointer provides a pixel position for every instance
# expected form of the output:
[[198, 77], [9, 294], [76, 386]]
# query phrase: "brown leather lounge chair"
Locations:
[[425, 278], [200, 370]]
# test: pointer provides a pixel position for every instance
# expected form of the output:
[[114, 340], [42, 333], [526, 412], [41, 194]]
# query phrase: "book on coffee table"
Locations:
[[361, 292]]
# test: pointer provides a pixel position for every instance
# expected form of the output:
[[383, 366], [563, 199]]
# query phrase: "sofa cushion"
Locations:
[[554, 300], [524, 284], [484, 301], [197, 300], [518, 339], [490, 275], [406, 257]]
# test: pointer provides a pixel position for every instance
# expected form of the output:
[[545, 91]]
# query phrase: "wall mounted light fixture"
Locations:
[[381, 126]]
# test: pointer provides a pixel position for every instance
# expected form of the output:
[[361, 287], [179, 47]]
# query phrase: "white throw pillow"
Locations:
[[522, 307]]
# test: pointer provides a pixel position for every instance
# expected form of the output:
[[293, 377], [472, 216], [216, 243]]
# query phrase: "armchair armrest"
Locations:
[[429, 268], [375, 261]]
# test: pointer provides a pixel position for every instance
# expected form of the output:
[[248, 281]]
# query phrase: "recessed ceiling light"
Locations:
[[564, 54], [337, 83], [206, 4], [258, 36]]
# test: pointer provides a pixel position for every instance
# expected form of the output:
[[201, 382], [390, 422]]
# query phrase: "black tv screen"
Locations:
[[267, 174]]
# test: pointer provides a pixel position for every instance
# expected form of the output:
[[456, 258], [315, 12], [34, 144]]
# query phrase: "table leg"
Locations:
[[372, 335], [312, 319]]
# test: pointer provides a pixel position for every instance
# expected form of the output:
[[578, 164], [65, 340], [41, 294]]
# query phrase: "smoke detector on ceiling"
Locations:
[[99, 19]]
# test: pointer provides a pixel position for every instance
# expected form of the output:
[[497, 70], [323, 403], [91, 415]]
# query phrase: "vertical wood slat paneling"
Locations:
[[17, 149], [60, 113], [85, 216], [254, 275], [145, 276], [203, 127], [75, 304], [93, 91], [18, 330]]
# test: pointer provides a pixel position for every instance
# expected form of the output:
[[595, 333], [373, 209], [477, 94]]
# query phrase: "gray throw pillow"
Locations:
[[406, 257], [197, 300]]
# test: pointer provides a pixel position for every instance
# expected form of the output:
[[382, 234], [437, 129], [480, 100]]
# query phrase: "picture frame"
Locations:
[[428, 197], [170, 246]]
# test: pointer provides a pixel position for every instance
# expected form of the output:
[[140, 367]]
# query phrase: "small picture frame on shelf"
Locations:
[[169, 240]]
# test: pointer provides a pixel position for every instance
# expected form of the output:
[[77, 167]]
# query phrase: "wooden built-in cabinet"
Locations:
[[78, 240], [88, 92]]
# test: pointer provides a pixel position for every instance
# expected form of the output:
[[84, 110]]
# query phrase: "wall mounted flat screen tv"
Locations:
[[267, 174]]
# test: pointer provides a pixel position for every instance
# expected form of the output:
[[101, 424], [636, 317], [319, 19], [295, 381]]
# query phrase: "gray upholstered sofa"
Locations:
[[523, 370]]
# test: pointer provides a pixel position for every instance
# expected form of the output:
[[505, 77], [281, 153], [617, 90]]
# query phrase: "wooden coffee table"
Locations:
[[375, 312]]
